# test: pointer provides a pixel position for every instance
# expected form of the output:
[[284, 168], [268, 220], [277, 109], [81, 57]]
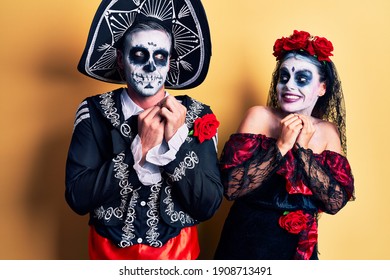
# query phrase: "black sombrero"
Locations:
[[187, 21]]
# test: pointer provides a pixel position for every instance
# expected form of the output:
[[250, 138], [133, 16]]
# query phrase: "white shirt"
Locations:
[[160, 155]]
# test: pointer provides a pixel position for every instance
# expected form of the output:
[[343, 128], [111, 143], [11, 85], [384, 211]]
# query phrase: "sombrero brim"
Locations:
[[187, 19]]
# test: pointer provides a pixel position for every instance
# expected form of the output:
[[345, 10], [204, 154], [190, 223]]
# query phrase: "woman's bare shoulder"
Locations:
[[256, 120], [331, 135], [259, 110]]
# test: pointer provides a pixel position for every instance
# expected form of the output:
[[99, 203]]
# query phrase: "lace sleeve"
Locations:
[[329, 178], [246, 162]]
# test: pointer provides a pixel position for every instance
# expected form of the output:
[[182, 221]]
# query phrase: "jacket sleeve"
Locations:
[[92, 167], [195, 178]]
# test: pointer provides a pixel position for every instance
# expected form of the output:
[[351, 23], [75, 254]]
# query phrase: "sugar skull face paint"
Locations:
[[146, 61], [299, 86]]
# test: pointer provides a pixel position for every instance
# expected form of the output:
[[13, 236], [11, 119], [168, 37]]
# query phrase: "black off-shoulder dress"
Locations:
[[278, 199]]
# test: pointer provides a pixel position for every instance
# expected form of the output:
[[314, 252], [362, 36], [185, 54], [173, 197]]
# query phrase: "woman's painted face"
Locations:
[[299, 86], [146, 61]]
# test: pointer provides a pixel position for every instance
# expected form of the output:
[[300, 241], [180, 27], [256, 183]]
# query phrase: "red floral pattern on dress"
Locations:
[[339, 168], [305, 225], [337, 164], [308, 238], [242, 147], [294, 222], [289, 170]]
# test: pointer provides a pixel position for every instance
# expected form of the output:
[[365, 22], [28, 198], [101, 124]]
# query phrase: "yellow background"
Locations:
[[41, 42]]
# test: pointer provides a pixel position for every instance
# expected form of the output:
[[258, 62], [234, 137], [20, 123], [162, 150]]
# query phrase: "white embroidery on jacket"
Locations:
[[193, 112], [153, 216], [126, 130], [109, 108], [172, 213], [121, 173], [128, 229], [189, 162]]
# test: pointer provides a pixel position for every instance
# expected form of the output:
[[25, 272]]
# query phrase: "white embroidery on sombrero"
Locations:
[[120, 24], [107, 60], [184, 12], [185, 40], [161, 10], [173, 73], [187, 66]]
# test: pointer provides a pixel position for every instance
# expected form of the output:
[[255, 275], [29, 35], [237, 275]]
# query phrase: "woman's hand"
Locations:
[[291, 127]]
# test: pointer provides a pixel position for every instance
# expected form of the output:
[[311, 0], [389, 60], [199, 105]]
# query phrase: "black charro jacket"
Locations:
[[101, 181]]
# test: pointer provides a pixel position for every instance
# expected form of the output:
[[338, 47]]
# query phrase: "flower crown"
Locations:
[[319, 47]]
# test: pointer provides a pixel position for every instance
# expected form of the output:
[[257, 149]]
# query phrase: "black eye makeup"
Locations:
[[139, 55], [284, 76], [303, 77], [160, 57]]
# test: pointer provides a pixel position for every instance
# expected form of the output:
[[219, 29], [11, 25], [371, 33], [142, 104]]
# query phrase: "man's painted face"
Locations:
[[146, 61], [299, 86]]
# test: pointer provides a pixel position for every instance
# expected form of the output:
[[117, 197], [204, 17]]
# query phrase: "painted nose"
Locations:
[[150, 67], [290, 84]]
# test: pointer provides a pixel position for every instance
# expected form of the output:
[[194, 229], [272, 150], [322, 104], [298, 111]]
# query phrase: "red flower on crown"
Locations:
[[319, 47]]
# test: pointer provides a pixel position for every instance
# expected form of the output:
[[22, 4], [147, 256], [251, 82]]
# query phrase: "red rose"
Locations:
[[294, 222], [278, 48], [310, 48], [301, 40], [298, 40], [205, 127], [323, 48]]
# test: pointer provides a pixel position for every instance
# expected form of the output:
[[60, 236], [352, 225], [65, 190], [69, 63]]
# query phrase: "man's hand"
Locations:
[[150, 129], [174, 115]]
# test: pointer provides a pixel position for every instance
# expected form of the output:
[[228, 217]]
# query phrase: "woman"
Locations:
[[287, 162]]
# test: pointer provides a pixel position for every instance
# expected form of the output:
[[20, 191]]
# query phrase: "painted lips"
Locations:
[[289, 98]]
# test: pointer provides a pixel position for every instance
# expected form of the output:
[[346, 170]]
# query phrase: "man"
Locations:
[[141, 162]]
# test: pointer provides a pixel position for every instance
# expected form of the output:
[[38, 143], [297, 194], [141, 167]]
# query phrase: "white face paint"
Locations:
[[146, 61], [299, 86]]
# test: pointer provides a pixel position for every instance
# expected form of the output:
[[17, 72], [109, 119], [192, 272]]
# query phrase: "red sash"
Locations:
[[185, 246]]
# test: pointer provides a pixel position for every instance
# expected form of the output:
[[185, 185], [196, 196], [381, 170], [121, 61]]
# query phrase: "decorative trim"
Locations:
[[129, 229], [122, 174], [126, 130], [108, 106], [153, 217], [82, 113], [193, 112], [189, 162], [174, 215]]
